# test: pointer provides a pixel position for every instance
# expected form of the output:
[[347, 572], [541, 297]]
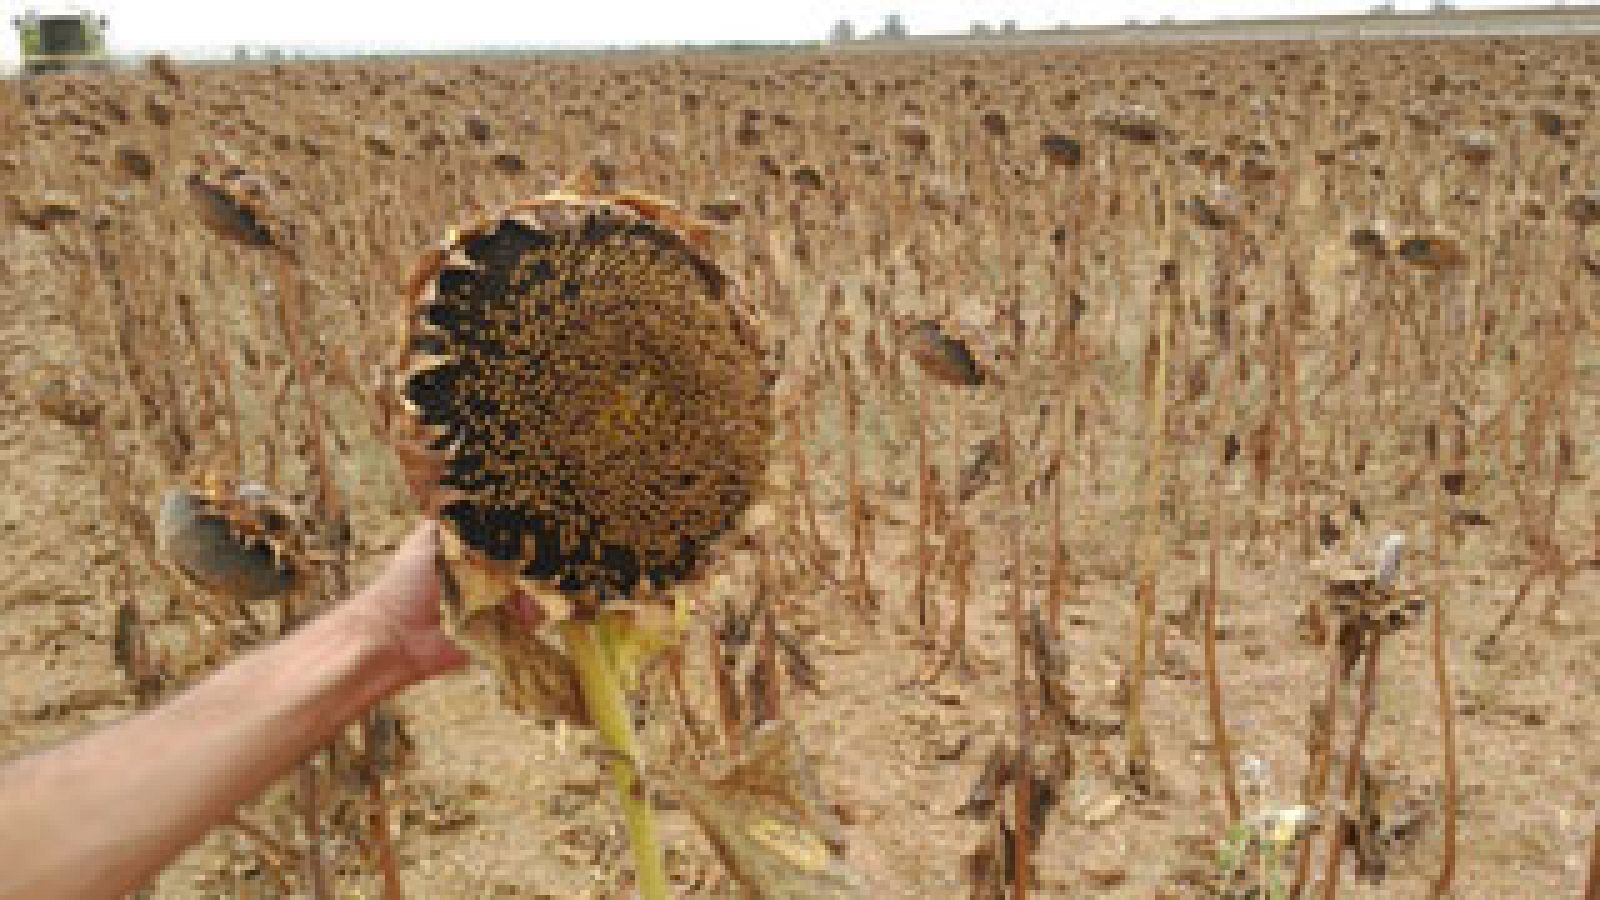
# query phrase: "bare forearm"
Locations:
[[133, 795]]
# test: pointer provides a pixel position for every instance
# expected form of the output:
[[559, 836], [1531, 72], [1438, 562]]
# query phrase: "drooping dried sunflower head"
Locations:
[[583, 402], [944, 358], [235, 204], [232, 538], [1432, 252]]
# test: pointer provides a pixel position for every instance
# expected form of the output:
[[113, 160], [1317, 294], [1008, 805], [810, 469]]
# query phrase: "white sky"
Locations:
[[147, 25]]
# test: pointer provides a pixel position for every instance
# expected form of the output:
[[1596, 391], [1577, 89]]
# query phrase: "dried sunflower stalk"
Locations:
[[584, 405]]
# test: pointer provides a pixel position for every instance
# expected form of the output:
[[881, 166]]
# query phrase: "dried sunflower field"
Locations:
[[1101, 375]]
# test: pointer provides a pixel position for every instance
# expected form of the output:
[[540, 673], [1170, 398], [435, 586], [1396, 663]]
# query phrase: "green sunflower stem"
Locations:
[[592, 645]]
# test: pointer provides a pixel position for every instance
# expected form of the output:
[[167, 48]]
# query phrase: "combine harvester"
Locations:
[[61, 42]]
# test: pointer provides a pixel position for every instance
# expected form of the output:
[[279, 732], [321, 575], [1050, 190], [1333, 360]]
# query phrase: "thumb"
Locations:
[[411, 574], [406, 597]]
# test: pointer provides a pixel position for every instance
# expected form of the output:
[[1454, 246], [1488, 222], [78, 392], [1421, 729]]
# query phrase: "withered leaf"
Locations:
[[802, 671], [534, 675], [979, 471], [1328, 530], [985, 793], [767, 821]]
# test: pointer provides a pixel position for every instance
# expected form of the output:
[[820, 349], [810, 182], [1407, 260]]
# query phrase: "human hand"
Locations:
[[402, 604]]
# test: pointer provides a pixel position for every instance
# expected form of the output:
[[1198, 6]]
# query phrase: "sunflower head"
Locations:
[[233, 538], [582, 401], [235, 204]]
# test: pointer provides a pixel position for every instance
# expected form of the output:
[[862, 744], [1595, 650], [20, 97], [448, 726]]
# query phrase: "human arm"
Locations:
[[101, 815]]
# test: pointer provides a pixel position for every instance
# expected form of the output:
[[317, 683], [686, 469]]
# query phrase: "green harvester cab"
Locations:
[[63, 42]]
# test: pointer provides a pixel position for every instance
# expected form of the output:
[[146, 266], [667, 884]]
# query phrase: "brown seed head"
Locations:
[[942, 357], [234, 204], [1218, 208], [162, 67], [1061, 150], [1585, 207], [60, 396], [1432, 252], [914, 135], [725, 208], [1135, 123], [233, 538], [586, 404], [1477, 146], [807, 176], [134, 162], [1371, 240]]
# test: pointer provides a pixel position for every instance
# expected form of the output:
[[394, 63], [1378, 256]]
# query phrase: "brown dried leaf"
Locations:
[[534, 675], [766, 818], [998, 771], [980, 470]]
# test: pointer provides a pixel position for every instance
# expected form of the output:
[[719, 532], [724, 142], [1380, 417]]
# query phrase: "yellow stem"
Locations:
[[590, 645]]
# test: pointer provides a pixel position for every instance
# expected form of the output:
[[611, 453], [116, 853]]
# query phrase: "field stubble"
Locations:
[[1263, 304]]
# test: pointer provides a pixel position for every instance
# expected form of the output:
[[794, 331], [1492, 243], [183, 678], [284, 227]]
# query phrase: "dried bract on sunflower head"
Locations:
[[584, 403]]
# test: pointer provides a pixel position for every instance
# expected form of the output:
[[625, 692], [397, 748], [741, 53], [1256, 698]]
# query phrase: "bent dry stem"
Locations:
[[593, 645]]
